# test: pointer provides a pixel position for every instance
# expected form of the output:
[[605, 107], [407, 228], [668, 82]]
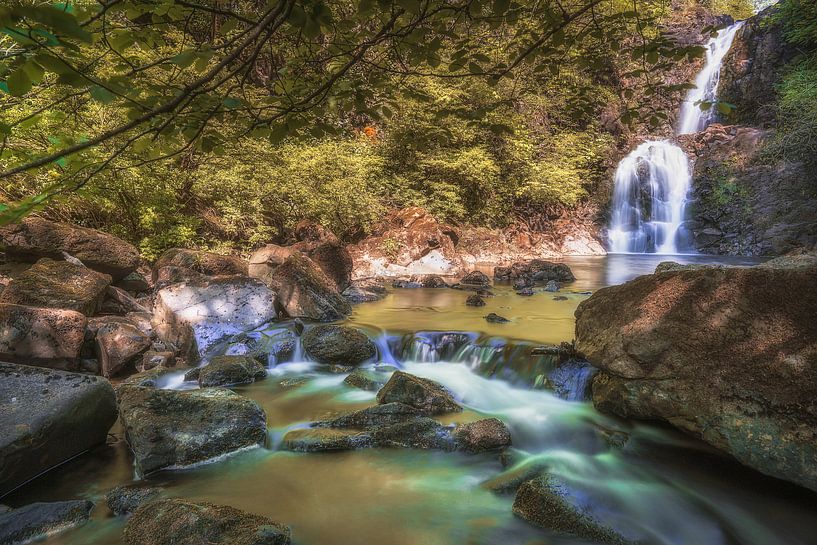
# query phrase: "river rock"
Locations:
[[124, 500], [167, 428], [47, 417], [38, 520], [549, 503], [324, 440], [267, 258], [206, 263], [426, 395], [429, 280], [484, 435], [335, 261], [728, 355], [41, 336], [196, 316], [418, 433], [378, 415], [58, 284], [231, 370], [475, 301], [304, 291], [119, 344], [496, 319], [536, 270], [365, 379], [183, 522], [364, 292], [476, 278], [338, 345], [35, 238]]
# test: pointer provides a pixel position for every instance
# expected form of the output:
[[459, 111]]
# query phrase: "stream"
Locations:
[[649, 482]]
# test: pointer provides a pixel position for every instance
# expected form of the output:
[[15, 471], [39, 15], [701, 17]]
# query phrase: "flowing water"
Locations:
[[649, 482], [652, 183]]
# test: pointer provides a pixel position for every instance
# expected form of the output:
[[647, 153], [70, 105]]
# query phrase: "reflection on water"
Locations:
[[652, 484]]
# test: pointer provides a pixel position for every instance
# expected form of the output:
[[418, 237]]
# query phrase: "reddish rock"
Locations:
[[305, 291], [40, 336], [118, 345], [35, 238]]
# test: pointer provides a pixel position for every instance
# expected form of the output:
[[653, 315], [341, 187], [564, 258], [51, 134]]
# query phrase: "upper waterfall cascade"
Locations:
[[652, 183]]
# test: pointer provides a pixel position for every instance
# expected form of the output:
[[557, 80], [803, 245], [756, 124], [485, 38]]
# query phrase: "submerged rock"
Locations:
[[196, 316], [47, 417], [38, 520], [305, 291], [35, 238], [124, 500], [364, 292], [338, 345], [58, 284], [728, 355], [183, 522], [230, 370], [41, 336], [475, 301], [426, 395], [548, 503], [365, 379], [496, 319], [324, 440], [552, 286], [167, 428]]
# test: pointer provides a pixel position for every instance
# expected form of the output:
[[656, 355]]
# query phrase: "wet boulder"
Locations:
[[550, 503], [183, 522], [231, 370], [41, 336], [35, 238], [305, 291], [536, 270], [475, 301], [206, 263], [47, 417], [430, 281], [364, 292], [418, 433], [728, 355], [488, 434], [58, 284], [168, 428], [378, 415], [38, 520], [338, 345], [429, 397], [324, 440], [366, 379], [119, 344], [196, 316], [476, 278], [496, 319], [124, 500]]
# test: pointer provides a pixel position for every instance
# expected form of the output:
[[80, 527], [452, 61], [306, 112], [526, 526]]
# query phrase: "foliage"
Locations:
[[738, 9], [796, 137], [800, 21]]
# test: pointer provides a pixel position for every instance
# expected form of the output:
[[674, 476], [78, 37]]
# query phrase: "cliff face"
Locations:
[[746, 202]]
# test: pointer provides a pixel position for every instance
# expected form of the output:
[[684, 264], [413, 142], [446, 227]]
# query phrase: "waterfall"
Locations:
[[652, 183], [693, 119], [649, 199]]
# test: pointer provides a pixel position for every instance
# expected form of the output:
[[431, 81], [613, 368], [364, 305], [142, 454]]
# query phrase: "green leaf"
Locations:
[[501, 6], [100, 94], [18, 83], [185, 59]]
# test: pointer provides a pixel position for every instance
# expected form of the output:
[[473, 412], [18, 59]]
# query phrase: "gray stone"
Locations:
[[338, 345], [38, 520], [231, 370], [124, 500], [41, 336], [47, 417], [429, 397]]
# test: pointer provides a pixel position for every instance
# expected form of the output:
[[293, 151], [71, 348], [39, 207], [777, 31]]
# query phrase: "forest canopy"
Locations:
[[171, 121]]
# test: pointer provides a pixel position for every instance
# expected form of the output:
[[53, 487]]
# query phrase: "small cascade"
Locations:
[[652, 183], [692, 118], [649, 201]]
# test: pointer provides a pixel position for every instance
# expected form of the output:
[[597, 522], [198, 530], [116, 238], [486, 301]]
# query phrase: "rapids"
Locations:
[[658, 486]]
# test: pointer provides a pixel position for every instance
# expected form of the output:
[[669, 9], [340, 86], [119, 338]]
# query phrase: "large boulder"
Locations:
[[726, 354], [335, 261], [35, 238], [119, 344], [58, 284], [426, 395], [267, 258], [338, 345], [47, 417], [41, 336], [183, 522], [549, 503], [304, 291], [535, 270], [197, 315], [39, 520], [206, 263], [167, 428], [483, 435], [230, 370]]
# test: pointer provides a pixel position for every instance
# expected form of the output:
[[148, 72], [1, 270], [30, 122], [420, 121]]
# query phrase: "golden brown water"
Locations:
[[662, 487]]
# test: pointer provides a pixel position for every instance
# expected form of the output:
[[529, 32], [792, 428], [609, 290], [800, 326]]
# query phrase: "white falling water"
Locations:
[[693, 119], [653, 182], [649, 200]]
